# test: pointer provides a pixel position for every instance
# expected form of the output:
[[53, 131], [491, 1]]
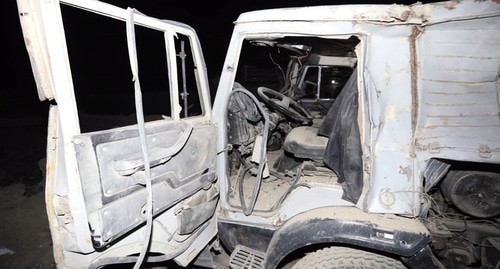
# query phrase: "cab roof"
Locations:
[[416, 13]]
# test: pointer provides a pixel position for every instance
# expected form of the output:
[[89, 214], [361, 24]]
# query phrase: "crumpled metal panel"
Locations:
[[459, 114]]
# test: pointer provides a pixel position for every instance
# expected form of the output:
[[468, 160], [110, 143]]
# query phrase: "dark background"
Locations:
[[23, 116], [213, 24]]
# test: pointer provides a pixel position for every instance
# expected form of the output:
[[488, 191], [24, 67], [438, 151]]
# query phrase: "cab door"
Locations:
[[131, 146]]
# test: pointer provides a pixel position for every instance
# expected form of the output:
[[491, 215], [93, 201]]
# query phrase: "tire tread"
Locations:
[[345, 257]]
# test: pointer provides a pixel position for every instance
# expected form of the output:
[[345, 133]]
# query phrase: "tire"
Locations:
[[345, 258]]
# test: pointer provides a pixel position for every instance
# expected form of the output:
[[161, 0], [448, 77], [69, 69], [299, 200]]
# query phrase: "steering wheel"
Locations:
[[285, 105]]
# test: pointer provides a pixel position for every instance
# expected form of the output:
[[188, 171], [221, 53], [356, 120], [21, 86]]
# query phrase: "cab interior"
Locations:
[[292, 120]]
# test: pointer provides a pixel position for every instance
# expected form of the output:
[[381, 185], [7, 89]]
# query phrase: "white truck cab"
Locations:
[[365, 135]]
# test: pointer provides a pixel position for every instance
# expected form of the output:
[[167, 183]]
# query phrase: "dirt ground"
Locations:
[[24, 230], [25, 240]]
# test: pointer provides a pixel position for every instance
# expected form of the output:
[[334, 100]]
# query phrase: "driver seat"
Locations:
[[304, 142], [310, 142]]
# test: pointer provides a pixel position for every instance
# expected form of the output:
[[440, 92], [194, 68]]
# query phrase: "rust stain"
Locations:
[[450, 5], [496, 1], [467, 83], [433, 147], [412, 40]]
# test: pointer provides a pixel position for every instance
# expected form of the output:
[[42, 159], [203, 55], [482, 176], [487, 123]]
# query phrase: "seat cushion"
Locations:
[[304, 142]]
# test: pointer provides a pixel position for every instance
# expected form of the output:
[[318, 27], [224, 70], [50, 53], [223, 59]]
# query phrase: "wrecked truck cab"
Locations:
[[352, 133]]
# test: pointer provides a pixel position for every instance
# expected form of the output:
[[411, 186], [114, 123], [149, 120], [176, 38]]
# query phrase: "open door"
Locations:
[[131, 147]]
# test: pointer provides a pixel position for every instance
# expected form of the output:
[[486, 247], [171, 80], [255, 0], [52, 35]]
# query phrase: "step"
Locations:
[[246, 258]]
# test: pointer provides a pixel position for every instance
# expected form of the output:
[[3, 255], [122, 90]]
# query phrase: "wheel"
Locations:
[[346, 258], [285, 105]]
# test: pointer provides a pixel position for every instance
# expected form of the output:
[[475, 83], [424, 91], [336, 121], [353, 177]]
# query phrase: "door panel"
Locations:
[[182, 163]]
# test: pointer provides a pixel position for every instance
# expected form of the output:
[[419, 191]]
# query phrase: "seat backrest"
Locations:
[[308, 142]]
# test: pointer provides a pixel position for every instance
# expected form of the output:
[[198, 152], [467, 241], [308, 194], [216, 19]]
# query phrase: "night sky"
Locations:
[[213, 25], [23, 117]]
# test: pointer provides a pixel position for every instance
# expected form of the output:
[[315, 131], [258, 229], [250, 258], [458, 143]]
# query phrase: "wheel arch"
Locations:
[[308, 229]]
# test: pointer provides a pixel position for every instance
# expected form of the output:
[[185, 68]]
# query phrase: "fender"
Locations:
[[347, 225]]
